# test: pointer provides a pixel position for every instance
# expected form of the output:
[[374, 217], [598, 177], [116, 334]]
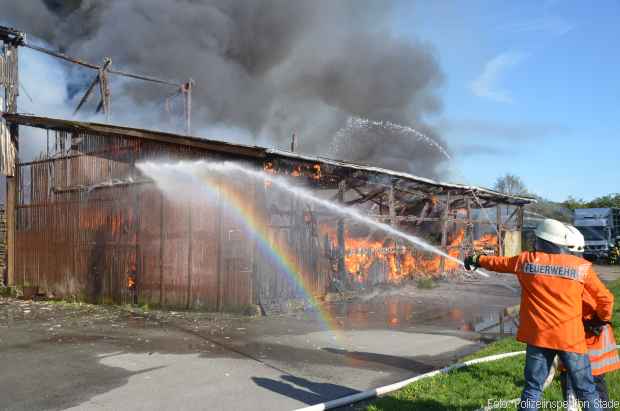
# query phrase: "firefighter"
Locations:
[[552, 282], [600, 340]]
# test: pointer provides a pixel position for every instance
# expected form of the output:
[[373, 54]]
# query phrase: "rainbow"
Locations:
[[279, 257]]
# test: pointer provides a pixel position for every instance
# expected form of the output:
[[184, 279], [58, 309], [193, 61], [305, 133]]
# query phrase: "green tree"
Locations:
[[610, 200], [572, 203]]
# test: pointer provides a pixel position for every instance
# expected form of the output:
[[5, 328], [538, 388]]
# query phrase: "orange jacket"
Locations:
[[601, 348], [551, 298]]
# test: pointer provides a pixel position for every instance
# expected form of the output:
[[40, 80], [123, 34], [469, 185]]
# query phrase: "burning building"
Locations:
[[85, 221]]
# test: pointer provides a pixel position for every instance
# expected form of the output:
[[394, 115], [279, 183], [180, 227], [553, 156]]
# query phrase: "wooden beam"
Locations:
[[392, 207], [520, 218], [423, 213], [187, 92], [500, 242], [512, 215], [444, 232], [342, 187], [107, 130], [12, 198], [365, 197], [104, 89], [91, 87], [11, 201], [469, 230]]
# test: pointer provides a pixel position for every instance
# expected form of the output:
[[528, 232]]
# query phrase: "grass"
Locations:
[[471, 388]]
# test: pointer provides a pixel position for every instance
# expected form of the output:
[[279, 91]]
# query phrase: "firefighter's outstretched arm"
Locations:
[[604, 298], [498, 264]]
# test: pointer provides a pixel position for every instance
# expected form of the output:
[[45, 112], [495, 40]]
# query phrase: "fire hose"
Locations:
[[376, 392]]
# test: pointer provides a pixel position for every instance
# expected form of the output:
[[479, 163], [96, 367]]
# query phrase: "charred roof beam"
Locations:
[[12, 36]]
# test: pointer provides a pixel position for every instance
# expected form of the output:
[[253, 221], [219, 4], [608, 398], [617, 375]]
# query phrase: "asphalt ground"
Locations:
[[57, 356]]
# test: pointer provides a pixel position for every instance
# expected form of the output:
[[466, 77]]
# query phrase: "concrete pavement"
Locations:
[[62, 356]]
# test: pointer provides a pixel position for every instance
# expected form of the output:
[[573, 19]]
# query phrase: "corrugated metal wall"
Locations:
[[83, 228]]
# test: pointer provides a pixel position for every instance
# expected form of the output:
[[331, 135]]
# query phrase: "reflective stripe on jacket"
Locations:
[[603, 352], [551, 299], [601, 348]]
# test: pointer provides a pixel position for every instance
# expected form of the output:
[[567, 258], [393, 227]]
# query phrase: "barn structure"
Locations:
[[83, 221]]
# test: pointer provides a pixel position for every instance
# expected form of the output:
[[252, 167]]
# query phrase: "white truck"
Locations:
[[601, 230]]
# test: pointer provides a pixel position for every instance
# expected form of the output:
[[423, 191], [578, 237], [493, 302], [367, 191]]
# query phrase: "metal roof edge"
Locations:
[[240, 149], [400, 174]]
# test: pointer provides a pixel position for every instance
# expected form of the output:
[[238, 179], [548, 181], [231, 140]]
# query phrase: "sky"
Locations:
[[531, 88]]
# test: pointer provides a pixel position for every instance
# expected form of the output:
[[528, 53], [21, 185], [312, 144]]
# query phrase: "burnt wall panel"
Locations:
[[205, 254], [175, 258], [239, 228], [151, 241], [89, 224]]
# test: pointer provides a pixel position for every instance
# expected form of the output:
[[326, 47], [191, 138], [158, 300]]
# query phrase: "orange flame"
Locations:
[[398, 261]]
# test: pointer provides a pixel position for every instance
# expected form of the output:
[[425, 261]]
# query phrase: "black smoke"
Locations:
[[267, 68]]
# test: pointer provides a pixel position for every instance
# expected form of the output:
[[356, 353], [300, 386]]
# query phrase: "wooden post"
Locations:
[[11, 201], [468, 244], [392, 206], [187, 90], [104, 88], [501, 323], [342, 187], [12, 194], [101, 79], [444, 232], [500, 241], [520, 222]]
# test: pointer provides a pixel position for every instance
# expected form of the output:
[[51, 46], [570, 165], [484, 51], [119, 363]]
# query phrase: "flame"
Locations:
[[313, 171], [268, 168], [398, 261], [317, 172], [296, 171]]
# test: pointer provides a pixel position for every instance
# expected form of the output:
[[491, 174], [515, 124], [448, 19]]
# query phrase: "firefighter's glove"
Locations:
[[472, 262], [594, 326]]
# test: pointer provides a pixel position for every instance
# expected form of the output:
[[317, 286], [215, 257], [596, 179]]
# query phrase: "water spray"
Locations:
[[358, 123], [283, 184]]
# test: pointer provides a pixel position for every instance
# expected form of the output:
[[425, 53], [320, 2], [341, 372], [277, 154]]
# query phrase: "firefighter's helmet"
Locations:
[[554, 232], [576, 242]]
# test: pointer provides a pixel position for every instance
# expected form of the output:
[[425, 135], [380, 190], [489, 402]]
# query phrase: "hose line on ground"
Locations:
[[375, 392]]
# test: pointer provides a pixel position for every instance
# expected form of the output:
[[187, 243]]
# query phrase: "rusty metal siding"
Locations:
[[292, 231], [205, 255], [152, 238], [83, 227], [237, 259]]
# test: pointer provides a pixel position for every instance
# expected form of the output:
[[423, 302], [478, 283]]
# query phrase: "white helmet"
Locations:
[[577, 242], [554, 231]]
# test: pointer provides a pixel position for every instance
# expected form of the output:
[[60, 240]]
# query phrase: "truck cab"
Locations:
[[601, 230]]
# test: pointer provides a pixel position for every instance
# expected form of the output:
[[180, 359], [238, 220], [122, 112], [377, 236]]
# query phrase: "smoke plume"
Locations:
[[265, 69]]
